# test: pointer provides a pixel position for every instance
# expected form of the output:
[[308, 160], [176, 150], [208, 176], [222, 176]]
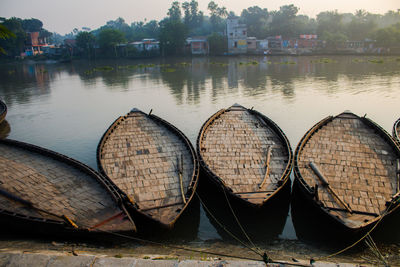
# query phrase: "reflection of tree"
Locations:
[[175, 80]]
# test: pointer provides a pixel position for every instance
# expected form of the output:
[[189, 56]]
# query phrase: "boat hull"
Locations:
[[313, 218], [3, 111], [146, 224], [43, 219], [263, 219]]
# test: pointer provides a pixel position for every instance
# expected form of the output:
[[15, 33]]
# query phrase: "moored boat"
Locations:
[[3, 111], [42, 191], [346, 179], [396, 131], [246, 155], [154, 165]]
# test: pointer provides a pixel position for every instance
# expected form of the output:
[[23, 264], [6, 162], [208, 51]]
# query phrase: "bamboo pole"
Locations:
[[326, 184], [266, 165], [180, 172], [30, 205], [398, 175]]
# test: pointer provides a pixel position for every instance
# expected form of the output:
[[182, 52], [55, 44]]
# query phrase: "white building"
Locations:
[[237, 36]]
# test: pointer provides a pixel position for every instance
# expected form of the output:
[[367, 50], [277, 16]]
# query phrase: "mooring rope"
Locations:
[[238, 222], [361, 239], [198, 251], [226, 230]]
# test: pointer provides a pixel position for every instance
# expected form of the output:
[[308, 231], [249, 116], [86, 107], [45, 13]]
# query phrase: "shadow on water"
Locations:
[[262, 225]]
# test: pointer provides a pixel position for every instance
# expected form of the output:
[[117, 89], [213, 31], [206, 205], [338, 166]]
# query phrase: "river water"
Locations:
[[67, 107]]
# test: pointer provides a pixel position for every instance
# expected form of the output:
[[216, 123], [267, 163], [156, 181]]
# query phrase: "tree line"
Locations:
[[184, 20]]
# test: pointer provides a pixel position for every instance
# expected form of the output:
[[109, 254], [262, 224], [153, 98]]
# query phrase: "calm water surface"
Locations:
[[67, 107]]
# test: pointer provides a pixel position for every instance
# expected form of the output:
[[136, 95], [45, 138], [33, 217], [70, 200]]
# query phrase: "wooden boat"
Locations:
[[346, 178], [43, 191], [247, 155], [396, 131], [3, 111], [153, 164]]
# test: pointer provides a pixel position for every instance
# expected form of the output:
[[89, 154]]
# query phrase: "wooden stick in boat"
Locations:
[[326, 184], [180, 172], [266, 165], [398, 175], [30, 205]]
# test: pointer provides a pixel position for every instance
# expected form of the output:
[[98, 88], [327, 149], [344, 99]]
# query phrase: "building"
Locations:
[[237, 36], [251, 44], [198, 45], [34, 43], [147, 45]]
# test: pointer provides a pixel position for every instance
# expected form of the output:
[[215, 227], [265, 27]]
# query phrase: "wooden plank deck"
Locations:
[[56, 187], [358, 164], [142, 157], [235, 146]]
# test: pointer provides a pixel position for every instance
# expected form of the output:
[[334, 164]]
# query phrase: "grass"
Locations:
[[324, 60], [103, 68], [168, 70], [376, 61]]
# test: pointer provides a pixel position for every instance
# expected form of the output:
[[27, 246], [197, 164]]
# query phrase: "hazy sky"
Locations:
[[63, 16]]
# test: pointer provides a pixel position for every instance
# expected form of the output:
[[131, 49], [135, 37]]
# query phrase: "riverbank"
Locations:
[[50, 258], [120, 252], [327, 53]]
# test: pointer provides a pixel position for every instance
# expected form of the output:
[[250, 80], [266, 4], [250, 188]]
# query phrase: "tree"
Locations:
[[14, 46], [361, 26], [174, 12], [256, 20], [5, 34], [284, 21], [85, 41], [217, 15], [173, 35], [109, 38], [193, 17], [389, 36], [329, 21], [120, 25], [32, 25], [218, 44]]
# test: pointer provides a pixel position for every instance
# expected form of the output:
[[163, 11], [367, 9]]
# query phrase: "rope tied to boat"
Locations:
[[363, 237]]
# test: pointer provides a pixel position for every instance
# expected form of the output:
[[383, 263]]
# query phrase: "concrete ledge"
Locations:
[[19, 259]]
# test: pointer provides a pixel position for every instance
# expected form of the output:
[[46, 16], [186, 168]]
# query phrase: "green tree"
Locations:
[[388, 37], [217, 43], [256, 19], [173, 35], [108, 39], [32, 25], [284, 21], [193, 18], [217, 16], [5, 34], [305, 25], [174, 12], [362, 26], [85, 41], [333, 40], [14, 46], [329, 21]]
